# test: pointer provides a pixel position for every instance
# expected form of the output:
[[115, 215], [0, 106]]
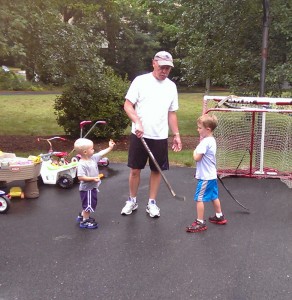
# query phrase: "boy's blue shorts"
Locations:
[[207, 190]]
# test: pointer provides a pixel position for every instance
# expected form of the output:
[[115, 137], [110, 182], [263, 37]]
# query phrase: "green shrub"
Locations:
[[13, 82], [7, 80], [93, 95]]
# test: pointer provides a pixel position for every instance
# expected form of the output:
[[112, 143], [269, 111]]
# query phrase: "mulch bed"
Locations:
[[26, 144]]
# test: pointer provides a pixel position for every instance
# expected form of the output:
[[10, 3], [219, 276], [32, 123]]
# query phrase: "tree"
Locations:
[[11, 24], [126, 26], [165, 26], [209, 39], [221, 40], [213, 36], [279, 63]]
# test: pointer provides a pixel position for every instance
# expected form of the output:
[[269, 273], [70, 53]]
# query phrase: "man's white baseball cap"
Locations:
[[164, 58]]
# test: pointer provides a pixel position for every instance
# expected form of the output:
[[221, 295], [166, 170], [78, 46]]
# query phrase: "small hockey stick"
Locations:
[[223, 101], [231, 194], [160, 171]]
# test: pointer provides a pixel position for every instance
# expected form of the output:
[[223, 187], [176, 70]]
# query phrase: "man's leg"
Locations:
[[154, 183], [134, 181]]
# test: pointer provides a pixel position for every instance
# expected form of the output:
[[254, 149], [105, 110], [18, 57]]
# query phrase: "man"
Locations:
[[151, 103]]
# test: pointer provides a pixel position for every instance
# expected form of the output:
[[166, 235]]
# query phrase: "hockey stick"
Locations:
[[231, 194], [223, 101], [183, 198], [228, 190]]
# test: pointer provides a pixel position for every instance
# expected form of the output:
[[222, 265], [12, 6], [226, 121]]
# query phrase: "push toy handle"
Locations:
[[97, 122], [82, 123]]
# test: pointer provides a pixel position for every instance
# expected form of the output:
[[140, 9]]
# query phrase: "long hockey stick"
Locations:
[[231, 194], [183, 198]]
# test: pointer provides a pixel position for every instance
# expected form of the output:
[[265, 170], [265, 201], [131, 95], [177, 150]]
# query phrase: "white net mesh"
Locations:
[[254, 136]]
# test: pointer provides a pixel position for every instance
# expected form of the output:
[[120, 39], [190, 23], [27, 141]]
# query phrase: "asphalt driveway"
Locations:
[[45, 255]]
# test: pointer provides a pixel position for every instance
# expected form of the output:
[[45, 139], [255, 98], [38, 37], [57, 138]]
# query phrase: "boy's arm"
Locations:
[[84, 177], [111, 145], [197, 156], [87, 178]]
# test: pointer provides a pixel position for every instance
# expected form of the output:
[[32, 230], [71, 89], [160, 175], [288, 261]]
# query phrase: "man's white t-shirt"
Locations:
[[206, 167], [153, 99]]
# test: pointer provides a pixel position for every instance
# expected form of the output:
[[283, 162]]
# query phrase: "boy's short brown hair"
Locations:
[[208, 121]]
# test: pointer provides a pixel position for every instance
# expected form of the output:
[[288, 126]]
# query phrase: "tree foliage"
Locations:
[[222, 40], [218, 40]]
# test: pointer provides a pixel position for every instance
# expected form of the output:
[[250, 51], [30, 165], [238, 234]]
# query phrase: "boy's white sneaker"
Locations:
[[129, 207], [153, 210]]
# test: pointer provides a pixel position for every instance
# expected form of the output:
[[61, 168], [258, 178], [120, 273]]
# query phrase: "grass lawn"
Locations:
[[28, 115], [34, 115]]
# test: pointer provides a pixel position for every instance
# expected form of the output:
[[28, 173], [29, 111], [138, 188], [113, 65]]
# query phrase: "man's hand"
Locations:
[[176, 144], [139, 131]]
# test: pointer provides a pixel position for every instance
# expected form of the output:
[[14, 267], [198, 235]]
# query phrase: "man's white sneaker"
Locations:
[[129, 207], [153, 210]]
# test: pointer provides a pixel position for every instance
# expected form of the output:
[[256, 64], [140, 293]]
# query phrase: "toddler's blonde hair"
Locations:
[[82, 144]]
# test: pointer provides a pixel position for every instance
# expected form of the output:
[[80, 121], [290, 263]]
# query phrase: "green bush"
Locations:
[[12, 82], [7, 80], [93, 95]]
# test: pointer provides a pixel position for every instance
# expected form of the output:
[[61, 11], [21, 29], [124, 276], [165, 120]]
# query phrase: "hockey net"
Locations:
[[254, 136]]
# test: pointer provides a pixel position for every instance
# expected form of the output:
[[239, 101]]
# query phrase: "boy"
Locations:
[[87, 173], [206, 174]]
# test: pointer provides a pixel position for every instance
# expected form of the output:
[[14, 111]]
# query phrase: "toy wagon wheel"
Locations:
[[4, 204], [103, 162], [40, 180], [65, 181], [106, 163], [74, 159]]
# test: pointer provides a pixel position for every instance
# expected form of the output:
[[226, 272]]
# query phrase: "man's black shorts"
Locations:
[[138, 156]]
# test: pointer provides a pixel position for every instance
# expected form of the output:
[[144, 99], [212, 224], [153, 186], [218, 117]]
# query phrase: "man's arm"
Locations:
[[130, 111], [172, 121], [173, 124]]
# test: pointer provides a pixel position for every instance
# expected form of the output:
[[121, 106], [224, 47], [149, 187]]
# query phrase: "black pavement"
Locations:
[[45, 255]]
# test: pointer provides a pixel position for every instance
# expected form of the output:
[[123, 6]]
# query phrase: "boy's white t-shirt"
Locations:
[[206, 167], [153, 99], [89, 168]]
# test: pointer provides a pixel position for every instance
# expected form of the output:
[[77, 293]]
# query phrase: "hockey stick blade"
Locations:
[[231, 194], [182, 198]]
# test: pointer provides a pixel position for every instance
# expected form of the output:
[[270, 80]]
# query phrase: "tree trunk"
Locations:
[[266, 21], [207, 87]]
